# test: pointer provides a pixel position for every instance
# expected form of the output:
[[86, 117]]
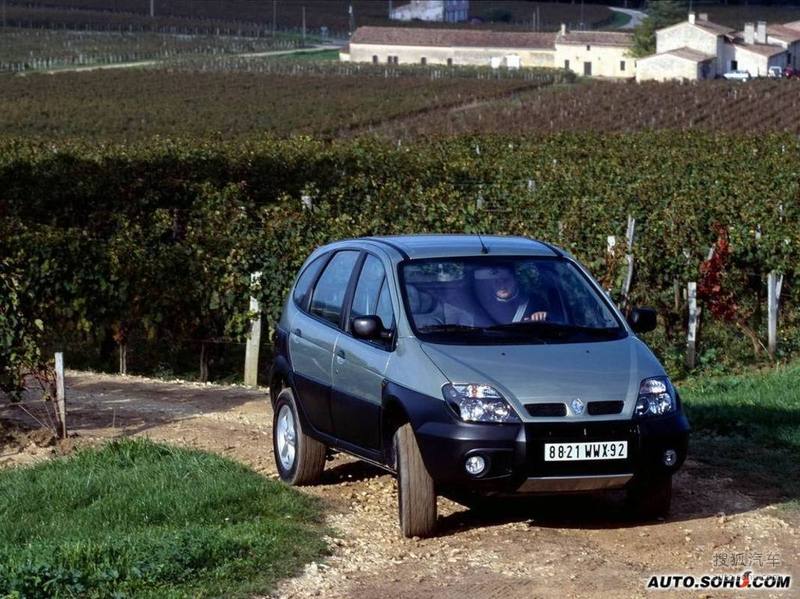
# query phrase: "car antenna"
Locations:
[[484, 249]]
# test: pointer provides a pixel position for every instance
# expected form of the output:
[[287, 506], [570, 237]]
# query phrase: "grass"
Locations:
[[750, 425], [136, 518]]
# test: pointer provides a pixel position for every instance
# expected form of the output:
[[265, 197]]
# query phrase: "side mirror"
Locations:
[[370, 328], [642, 320]]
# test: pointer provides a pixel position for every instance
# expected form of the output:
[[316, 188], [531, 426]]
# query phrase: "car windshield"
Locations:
[[500, 299]]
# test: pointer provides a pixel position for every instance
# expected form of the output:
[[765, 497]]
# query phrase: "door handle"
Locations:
[[340, 357], [297, 332]]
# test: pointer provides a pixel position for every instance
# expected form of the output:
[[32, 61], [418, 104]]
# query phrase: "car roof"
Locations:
[[438, 246]]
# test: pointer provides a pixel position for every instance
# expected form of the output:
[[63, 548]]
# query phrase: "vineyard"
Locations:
[[759, 106], [138, 104], [154, 245], [252, 16], [24, 49]]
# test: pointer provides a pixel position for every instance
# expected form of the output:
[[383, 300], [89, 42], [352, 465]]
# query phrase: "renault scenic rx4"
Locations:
[[471, 366]]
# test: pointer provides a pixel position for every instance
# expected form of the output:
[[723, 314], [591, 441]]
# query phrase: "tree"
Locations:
[[659, 14]]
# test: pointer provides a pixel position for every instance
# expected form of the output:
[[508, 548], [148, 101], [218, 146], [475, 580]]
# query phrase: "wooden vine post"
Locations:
[[774, 284], [253, 340], [629, 237], [694, 321], [61, 403]]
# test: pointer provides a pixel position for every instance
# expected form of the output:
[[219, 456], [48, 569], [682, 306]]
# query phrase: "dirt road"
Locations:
[[573, 547]]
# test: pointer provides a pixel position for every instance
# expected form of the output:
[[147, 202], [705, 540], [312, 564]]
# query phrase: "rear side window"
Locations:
[[305, 280], [329, 293]]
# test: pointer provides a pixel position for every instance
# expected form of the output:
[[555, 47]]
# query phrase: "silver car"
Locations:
[[471, 366]]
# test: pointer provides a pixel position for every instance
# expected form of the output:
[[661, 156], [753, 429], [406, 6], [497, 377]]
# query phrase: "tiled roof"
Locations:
[[792, 24], [689, 54], [471, 38], [715, 28], [597, 38], [762, 49], [784, 32]]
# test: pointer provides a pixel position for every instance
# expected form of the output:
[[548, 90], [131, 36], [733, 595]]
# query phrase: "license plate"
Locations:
[[572, 452]]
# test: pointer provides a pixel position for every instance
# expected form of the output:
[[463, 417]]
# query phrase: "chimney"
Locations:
[[749, 34], [703, 16], [691, 18], [761, 32], [563, 29]]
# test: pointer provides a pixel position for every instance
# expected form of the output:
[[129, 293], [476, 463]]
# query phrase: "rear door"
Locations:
[[359, 365], [313, 335]]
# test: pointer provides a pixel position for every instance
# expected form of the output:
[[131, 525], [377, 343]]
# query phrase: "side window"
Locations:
[[372, 293], [384, 309], [303, 285], [328, 297]]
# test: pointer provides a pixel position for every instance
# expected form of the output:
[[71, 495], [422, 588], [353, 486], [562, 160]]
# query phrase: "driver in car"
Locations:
[[501, 297]]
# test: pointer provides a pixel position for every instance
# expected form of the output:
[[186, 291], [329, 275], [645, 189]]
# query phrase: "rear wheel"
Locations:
[[651, 498], [415, 489], [299, 458]]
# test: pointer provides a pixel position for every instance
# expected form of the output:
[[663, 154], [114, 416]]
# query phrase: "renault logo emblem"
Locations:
[[577, 406]]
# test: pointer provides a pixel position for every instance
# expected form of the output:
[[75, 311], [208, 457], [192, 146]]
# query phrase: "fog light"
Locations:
[[475, 465], [670, 457]]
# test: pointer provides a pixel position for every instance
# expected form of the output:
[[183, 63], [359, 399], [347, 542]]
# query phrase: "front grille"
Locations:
[[546, 409], [603, 408]]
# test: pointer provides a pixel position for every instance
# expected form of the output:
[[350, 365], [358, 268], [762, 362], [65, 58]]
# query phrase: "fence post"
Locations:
[[253, 340], [61, 404], [774, 284], [629, 236], [694, 317]]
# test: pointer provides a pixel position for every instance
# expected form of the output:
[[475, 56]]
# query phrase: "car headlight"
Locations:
[[656, 397], [479, 403]]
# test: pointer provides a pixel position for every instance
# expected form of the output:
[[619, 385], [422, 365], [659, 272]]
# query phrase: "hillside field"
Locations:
[[296, 96], [124, 105]]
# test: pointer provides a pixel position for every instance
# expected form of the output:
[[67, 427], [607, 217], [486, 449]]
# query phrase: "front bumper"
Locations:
[[515, 453]]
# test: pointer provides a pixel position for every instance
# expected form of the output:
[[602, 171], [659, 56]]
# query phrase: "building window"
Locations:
[[423, 61], [566, 65], [734, 65], [391, 59], [375, 59], [588, 48], [449, 62], [621, 65]]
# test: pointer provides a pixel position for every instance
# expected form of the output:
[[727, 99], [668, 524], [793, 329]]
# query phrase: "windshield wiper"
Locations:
[[450, 328], [554, 329]]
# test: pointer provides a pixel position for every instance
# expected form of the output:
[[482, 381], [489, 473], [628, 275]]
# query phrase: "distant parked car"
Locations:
[[790, 72], [738, 76], [775, 73]]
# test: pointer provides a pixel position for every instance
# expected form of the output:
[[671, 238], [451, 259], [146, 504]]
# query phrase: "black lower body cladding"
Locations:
[[514, 453]]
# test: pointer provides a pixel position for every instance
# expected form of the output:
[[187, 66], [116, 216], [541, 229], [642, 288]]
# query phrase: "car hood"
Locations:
[[524, 374]]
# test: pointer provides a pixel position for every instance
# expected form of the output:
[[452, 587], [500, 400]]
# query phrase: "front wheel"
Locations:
[[651, 498], [415, 489], [300, 459]]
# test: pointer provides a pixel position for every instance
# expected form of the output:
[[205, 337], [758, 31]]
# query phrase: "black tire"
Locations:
[[416, 495], [651, 498], [308, 454]]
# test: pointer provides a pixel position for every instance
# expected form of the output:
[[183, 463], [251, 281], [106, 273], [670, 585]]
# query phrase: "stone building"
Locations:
[[592, 53], [699, 49], [447, 11]]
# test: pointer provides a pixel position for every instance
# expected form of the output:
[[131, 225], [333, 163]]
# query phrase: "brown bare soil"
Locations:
[[549, 547]]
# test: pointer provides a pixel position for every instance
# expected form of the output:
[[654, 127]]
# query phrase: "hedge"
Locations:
[[158, 241]]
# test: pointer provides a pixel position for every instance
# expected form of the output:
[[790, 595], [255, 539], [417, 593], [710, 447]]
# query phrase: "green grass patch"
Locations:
[[323, 55], [136, 518], [750, 425]]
